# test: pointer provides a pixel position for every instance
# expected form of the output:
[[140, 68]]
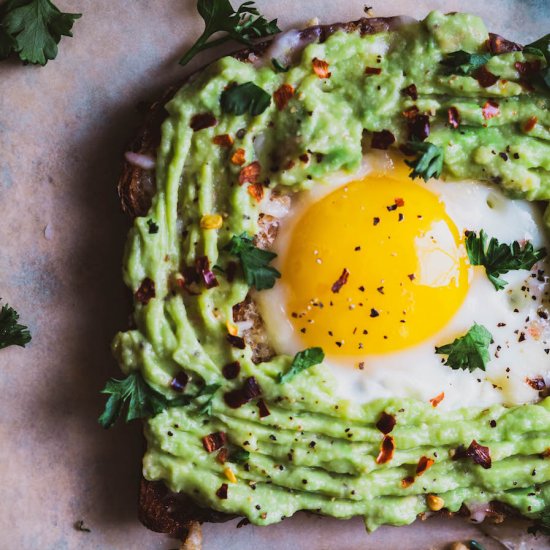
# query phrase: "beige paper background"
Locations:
[[63, 130]]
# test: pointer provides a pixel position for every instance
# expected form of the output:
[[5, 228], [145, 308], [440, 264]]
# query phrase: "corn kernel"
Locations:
[[231, 328], [230, 475], [211, 221], [435, 503]]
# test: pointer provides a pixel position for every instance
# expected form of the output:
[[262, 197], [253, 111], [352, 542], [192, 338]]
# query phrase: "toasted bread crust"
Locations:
[[160, 509]]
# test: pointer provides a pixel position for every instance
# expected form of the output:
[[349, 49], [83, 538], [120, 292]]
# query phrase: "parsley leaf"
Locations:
[[469, 352], [240, 456], [32, 29], [11, 332], [541, 47], [278, 66], [245, 98], [464, 63], [430, 162], [254, 262], [208, 390], [500, 258], [240, 25], [302, 360], [141, 399]]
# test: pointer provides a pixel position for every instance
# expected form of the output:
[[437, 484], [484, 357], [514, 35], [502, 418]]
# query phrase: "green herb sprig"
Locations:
[[541, 48], [11, 332], [464, 63], [245, 98], [469, 352], [302, 360], [429, 163]]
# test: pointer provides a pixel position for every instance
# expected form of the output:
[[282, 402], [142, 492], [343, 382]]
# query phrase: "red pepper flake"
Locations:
[[202, 121], [407, 482], [239, 397], [527, 69], [262, 409], [320, 68], [485, 77], [223, 140], [536, 383], [304, 157], [238, 157], [399, 202], [250, 173], [478, 453], [372, 70], [424, 464], [530, 124], [179, 382], [437, 399], [453, 117], [214, 441], [387, 450], [342, 280], [222, 456], [231, 370], [256, 191], [386, 423], [419, 127], [411, 113], [546, 453], [236, 341], [146, 291], [411, 91], [202, 266], [282, 96], [231, 271], [382, 140], [490, 109], [497, 44], [222, 491]]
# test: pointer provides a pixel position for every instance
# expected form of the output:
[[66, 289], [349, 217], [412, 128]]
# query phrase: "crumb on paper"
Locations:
[[81, 526]]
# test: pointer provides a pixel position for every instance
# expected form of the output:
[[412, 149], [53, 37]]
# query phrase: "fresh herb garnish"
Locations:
[[499, 258], [278, 66], [541, 47], [11, 332], [245, 98], [240, 456], [430, 162], [209, 390], [465, 63], [254, 262], [141, 399], [474, 545], [32, 29], [302, 360], [469, 352], [241, 25], [153, 227]]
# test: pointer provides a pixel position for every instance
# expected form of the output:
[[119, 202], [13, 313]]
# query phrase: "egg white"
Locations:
[[521, 337]]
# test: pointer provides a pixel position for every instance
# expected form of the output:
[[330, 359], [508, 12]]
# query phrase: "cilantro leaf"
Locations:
[[254, 262], [32, 29], [11, 332], [278, 66], [541, 47], [302, 360], [469, 352], [245, 98], [464, 63], [141, 399], [500, 258], [209, 390], [430, 162], [242, 25], [239, 456]]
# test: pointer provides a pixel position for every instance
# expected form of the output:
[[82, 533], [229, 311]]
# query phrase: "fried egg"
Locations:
[[375, 271]]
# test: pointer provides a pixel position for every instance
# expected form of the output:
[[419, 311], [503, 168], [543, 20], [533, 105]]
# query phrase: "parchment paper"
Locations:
[[63, 130]]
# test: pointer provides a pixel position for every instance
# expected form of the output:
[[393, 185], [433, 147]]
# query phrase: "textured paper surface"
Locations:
[[63, 130]]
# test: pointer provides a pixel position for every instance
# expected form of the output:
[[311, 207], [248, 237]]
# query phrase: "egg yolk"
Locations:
[[373, 267]]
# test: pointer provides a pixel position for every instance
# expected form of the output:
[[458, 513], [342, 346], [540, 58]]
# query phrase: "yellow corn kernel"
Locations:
[[231, 328], [211, 221], [435, 503], [230, 475]]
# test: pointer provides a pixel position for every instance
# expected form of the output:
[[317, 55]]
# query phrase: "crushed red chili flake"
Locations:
[[411, 113], [530, 124], [386, 423], [497, 45], [419, 127], [546, 453], [372, 70], [231, 370], [536, 383], [222, 456], [382, 140], [202, 121], [202, 266], [399, 202], [437, 399], [282, 96], [238, 157], [262, 409], [250, 173], [424, 464], [453, 117], [304, 157], [387, 449], [146, 291], [407, 481], [223, 140], [231, 270], [478, 453], [320, 68], [411, 91], [490, 109], [222, 491], [527, 69], [342, 280], [214, 441], [256, 191], [485, 77], [179, 382], [236, 341], [239, 397]]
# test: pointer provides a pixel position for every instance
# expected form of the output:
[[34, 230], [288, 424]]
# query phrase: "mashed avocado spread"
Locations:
[[294, 445]]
